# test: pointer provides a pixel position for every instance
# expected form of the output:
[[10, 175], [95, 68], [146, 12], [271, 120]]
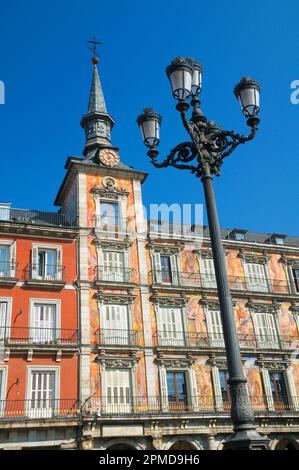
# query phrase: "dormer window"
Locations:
[[277, 238], [237, 234]]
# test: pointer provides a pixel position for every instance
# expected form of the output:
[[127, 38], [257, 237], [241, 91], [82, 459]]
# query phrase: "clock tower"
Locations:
[[104, 195]]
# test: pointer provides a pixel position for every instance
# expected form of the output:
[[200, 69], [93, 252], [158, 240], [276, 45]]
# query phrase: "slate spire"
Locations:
[[97, 123]]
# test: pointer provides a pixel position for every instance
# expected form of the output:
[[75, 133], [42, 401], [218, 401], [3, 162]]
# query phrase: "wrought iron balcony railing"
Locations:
[[47, 272], [37, 218], [65, 408], [113, 274], [8, 269], [16, 336], [181, 339], [127, 405], [106, 337], [208, 281]]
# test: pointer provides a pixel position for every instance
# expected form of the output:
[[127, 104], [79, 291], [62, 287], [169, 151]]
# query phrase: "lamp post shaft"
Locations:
[[245, 436]]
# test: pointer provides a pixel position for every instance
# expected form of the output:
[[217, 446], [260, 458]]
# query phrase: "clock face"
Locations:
[[109, 157]]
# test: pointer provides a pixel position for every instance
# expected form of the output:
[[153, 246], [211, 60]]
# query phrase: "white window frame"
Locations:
[[180, 339], [175, 263], [126, 266], [215, 339], [210, 280], [123, 338], [289, 384], [257, 283], [36, 412], [271, 341], [12, 245], [3, 389], [57, 303], [121, 201], [104, 386], [191, 383], [36, 247], [7, 327]]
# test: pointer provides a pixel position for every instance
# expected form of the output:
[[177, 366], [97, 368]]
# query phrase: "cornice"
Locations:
[[262, 307], [262, 258], [120, 299], [117, 244], [168, 301]]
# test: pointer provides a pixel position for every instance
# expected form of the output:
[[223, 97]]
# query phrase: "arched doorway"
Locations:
[[120, 447], [287, 444], [182, 445]]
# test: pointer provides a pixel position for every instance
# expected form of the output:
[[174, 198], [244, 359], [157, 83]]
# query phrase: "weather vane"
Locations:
[[94, 43]]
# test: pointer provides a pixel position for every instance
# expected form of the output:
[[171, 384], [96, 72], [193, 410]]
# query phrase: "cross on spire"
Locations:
[[93, 48]]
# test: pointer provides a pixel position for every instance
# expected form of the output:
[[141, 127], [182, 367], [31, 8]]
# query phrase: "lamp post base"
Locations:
[[246, 439]]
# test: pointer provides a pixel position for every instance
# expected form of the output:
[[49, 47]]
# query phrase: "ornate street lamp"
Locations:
[[204, 156]]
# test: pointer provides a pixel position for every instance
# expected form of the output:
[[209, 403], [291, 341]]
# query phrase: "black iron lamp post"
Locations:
[[204, 156]]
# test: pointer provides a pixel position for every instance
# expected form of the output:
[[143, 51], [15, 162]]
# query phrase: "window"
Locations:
[[46, 263], [239, 236], [207, 273], [4, 318], [256, 277], [170, 326], [44, 323], [42, 392], [109, 216], [7, 258], [214, 326], [5, 211], [113, 268], [223, 378], [4, 261], [177, 390], [114, 324], [265, 330], [278, 389], [2, 389], [296, 278], [166, 268], [118, 394]]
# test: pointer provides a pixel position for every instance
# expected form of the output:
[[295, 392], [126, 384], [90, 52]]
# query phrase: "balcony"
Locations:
[[180, 279], [8, 273], [179, 339], [113, 275], [118, 338], [197, 405], [39, 337], [45, 277], [66, 408], [111, 227], [37, 218]]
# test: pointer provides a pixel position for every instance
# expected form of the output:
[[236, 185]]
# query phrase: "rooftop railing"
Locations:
[[37, 218]]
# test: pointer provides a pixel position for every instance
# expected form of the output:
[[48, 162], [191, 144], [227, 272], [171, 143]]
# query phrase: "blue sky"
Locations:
[[45, 65]]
